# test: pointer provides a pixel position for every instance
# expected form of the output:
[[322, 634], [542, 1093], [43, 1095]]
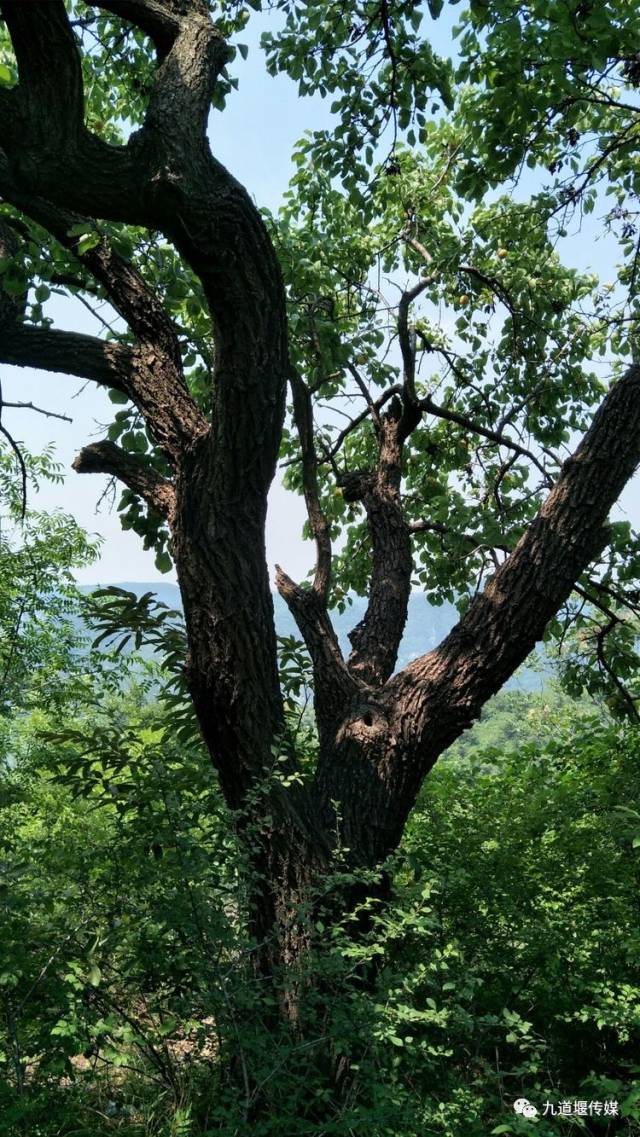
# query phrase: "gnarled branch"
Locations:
[[107, 458], [150, 372]]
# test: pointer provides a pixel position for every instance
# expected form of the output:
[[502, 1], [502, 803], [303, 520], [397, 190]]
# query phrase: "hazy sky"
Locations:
[[254, 138]]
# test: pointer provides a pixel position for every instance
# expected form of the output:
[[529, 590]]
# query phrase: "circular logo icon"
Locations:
[[524, 1107]]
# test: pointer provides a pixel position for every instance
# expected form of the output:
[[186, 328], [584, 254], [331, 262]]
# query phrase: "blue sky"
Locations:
[[254, 138]]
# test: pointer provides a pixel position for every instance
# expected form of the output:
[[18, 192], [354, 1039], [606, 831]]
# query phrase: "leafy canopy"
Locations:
[[449, 185]]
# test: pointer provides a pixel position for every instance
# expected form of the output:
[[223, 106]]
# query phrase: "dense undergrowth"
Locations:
[[507, 965]]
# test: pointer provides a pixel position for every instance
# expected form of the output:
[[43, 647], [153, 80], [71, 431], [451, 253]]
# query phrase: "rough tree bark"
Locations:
[[379, 733]]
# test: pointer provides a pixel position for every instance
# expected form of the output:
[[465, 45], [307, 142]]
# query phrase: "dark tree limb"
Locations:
[[166, 179], [334, 688], [67, 353], [150, 372], [376, 639], [50, 349], [107, 458], [390, 745], [180, 101], [303, 414], [40, 33], [159, 19], [441, 693]]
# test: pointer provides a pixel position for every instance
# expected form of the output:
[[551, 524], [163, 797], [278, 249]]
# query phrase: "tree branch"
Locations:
[[427, 404], [180, 101], [68, 353], [376, 639], [334, 688], [408, 348], [629, 701], [37, 410], [303, 414], [153, 379], [159, 19], [373, 409], [40, 32], [21, 464], [165, 178], [107, 458], [441, 693]]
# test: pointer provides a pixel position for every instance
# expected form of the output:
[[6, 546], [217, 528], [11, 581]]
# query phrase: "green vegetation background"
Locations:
[[508, 962]]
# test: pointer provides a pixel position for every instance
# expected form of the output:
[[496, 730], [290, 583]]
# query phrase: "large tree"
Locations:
[[454, 468]]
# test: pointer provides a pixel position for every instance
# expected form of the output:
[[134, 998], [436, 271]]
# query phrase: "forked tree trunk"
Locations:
[[379, 733]]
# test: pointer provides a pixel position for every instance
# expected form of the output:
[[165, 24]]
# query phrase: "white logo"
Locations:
[[524, 1106]]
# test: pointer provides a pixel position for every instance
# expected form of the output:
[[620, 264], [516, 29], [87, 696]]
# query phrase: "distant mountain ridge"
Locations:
[[426, 624]]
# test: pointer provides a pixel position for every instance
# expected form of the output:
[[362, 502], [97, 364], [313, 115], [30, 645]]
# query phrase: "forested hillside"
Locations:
[[426, 624]]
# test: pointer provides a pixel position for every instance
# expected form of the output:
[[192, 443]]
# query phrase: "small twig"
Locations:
[[500, 439], [23, 469], [39, 410], [377, 406], [604, 663]]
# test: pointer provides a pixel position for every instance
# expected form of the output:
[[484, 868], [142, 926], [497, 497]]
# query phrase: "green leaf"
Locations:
[[163, 562], [95, 975], [87, 242]]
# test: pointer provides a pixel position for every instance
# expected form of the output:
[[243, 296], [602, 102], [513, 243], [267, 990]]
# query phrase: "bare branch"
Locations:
[[68, 353], [107, 458], [38, 410], [334, 688], [303, 413]]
